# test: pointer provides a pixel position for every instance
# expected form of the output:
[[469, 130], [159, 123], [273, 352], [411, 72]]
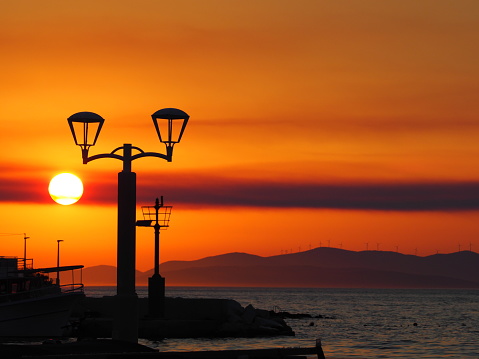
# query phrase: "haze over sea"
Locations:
[[355, 323]]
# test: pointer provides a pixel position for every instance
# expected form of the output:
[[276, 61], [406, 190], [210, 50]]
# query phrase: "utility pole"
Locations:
[[25, 251], [58, 260]]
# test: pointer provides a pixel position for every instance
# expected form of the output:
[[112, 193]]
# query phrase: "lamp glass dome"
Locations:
[[85, 128], [170, 123]]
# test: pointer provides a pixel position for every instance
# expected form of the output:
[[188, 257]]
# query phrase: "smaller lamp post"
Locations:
[[156, 283], [58, 260]]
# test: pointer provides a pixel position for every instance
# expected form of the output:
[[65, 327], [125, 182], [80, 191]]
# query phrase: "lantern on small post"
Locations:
[[157, 216]]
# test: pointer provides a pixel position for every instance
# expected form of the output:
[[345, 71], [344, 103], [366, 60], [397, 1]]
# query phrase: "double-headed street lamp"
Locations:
[[170, 123]]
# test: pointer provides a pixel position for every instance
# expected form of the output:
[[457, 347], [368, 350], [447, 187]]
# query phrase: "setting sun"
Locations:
[[65, 188]]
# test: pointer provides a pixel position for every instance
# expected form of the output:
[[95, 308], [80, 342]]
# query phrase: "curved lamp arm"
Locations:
[[103, 155], [127, 157], [151, 154]]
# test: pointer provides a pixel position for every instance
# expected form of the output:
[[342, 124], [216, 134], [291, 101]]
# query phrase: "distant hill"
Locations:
[[319, 267], [101, 275]]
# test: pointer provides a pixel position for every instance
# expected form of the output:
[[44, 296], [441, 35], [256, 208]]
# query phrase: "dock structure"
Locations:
[[113, 349]]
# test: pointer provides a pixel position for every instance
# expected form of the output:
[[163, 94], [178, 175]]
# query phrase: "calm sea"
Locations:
[[356, 323]]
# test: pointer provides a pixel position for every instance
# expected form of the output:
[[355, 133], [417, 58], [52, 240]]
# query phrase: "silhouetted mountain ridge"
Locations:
[[321, 267], [235, 258]]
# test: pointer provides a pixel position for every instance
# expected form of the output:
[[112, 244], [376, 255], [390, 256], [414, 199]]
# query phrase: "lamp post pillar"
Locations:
[[126, 318], [157, 236]]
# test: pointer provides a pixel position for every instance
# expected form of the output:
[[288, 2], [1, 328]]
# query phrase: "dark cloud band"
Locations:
[[394, 197], [204, 191]]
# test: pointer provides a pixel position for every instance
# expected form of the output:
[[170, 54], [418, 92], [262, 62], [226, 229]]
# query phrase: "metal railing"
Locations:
[[73, 287]]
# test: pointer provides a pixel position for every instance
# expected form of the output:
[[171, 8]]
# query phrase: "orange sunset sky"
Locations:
[[333, 123]]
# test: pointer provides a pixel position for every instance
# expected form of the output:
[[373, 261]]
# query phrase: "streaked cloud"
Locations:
[[221, 192], [370, 106]]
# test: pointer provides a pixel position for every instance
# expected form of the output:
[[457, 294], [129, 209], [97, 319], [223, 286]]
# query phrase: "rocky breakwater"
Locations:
[[184, 318], [249, 321]]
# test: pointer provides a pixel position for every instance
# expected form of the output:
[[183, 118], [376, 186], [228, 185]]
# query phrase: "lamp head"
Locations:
[[85, 128], [144, 223], [170, 123]]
